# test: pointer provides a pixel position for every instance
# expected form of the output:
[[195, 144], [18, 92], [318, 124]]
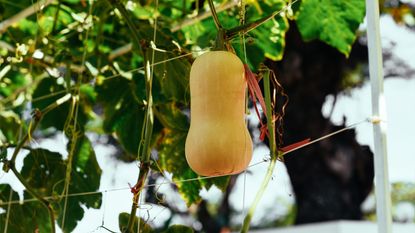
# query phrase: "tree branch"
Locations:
[[23, 14]]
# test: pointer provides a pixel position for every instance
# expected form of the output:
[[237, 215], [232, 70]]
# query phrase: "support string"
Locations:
[[243, 42], [267, 159], [157, 63], [74, 131], [50, 95], [327, 136], [8, 210]]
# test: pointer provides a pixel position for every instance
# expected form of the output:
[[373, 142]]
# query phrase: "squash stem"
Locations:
[[220, 42]]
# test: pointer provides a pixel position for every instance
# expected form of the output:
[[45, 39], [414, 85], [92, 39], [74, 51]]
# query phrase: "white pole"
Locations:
[[382, 189]]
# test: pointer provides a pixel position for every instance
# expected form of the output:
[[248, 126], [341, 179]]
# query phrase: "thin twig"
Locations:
[[214, 15], [251, 26]]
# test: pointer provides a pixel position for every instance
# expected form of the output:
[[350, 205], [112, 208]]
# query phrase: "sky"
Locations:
[[355, 105]]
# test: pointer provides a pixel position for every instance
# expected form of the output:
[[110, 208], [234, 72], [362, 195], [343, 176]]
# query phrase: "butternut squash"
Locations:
[[218, 142]]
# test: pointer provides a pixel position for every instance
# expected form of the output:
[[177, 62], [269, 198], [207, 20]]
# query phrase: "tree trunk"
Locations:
[[331, 178]]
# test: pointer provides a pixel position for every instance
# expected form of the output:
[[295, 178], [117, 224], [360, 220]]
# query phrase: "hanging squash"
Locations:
[[218, 142]]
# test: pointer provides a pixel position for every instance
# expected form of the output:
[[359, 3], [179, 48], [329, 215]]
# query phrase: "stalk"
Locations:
[[37, 117], [144, 151], [264, 184], [144, 148], [20, 145], [214, 15], [274, 155], [221, 40]]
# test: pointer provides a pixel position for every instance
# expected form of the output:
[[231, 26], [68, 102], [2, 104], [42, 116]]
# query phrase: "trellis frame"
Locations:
[[382, 189]]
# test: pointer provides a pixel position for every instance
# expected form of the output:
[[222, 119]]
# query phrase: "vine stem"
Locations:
[[214, 15], [21, 144], [274, 154], [264, 184], [245, 28], [144, 149]]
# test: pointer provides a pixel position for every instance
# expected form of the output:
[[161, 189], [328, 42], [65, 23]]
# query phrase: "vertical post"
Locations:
[[382, 189]]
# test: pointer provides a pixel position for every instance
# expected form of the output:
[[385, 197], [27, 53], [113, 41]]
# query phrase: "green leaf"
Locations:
[[85, 177], [266, 40], [45, 172], [3, 153], [28, 217], [9, 127], [172, 117], [270, 37], [172, 159], [12, 82], [124, 110], [123, 222], [179, 229], [45, 95], [173, 77], [334, 22], [86, 173]]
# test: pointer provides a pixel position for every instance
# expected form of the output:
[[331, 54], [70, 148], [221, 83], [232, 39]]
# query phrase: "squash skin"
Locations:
[[218, 142]]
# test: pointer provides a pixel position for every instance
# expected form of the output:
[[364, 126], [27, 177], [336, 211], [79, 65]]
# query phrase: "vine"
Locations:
[[144, 149]]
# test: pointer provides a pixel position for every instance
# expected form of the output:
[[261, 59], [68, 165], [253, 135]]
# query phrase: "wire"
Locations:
[[267, 159], [8, 210], [327, 136], [157, 63], [74, 136]]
